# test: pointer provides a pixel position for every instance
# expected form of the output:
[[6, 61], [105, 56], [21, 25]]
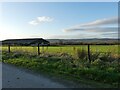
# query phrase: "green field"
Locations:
[[64, 49]]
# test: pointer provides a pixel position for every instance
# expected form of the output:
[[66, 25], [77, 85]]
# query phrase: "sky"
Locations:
[[58, 20]]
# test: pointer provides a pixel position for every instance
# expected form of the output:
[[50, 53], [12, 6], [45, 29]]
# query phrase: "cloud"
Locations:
[[103, 29], [72, 29], [66, 36], [96, 29], [105, 21], [86, 35], [95, 25], [41, 19], [109, 35]]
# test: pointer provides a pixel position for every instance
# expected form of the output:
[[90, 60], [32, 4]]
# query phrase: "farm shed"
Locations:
[[26, 42]]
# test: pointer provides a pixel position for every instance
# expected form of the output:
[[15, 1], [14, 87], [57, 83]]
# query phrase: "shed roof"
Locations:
[[27, 41]]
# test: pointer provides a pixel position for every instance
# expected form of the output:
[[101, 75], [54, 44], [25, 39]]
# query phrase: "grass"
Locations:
[[101, 69], [70, 49], [70, 62]]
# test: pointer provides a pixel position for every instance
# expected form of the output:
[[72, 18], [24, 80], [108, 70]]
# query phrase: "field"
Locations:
[[70, 62], [65, 49]]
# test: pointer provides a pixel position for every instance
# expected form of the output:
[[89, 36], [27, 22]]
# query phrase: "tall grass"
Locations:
[[64, 64], [70, 61]]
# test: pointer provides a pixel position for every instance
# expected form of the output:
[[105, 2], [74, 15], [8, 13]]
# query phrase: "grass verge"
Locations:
[[64, 66]]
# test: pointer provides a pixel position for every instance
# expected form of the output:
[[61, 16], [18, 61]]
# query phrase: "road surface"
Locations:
[[13, 77]]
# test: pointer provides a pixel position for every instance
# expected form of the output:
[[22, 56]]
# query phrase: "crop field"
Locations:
[[71, 49]]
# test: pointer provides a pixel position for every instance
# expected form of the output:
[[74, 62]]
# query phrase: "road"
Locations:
[[0, 75], [13, 77]]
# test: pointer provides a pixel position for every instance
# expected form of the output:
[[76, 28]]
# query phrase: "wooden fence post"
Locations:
[[9, 48], [89, 54], [118, 61], [38, 49], [43, 48]]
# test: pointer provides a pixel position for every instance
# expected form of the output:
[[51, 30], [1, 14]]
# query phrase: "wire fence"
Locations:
[[69, 49]]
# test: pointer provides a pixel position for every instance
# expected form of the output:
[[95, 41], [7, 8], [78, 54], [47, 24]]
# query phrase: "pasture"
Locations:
[[69, 49]]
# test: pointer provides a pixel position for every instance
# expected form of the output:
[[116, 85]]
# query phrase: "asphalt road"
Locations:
[[13, 77], [0, 75]]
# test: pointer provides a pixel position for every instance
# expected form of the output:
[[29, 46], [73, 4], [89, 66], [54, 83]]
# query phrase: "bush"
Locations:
[[107, 57], [17, 55], [94, 56], [81, 54], [98, 62], [110, 69]]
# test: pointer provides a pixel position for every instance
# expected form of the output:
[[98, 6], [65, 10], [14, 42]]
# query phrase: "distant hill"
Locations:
[[77, 41]]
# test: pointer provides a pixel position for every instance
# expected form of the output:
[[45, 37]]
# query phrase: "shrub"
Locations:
[[17, 55], [99, 63], [95, 56], [81, 54], [107, 57], [110, 69]]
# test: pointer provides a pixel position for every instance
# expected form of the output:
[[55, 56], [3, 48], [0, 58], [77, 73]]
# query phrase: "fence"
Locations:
[[68, 49]]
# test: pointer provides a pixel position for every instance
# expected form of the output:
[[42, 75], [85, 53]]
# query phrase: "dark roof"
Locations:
[[27, 41]]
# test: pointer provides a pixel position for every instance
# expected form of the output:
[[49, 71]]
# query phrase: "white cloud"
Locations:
[[85, 35], [41, 19], [105, 21], [95, 29], [95, 25]]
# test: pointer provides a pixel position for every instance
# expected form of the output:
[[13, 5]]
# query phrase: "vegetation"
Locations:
[[70, 49], [71, 62]]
